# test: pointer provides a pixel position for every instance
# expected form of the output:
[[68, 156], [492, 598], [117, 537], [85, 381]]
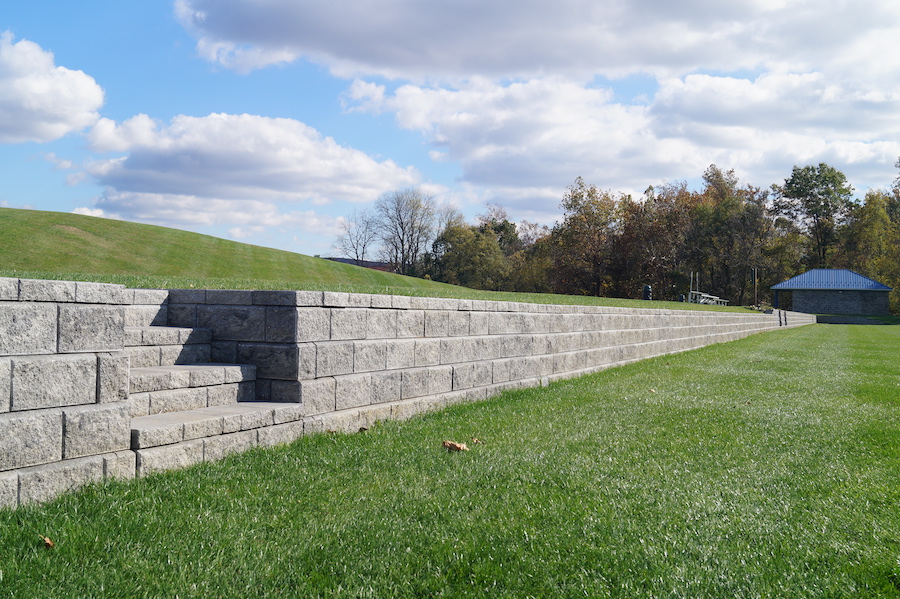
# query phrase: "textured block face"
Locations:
[[400, 354], [9, 289], [119, 465], [281, 324], [30, 438], [112, 377], [367, 356], [5, 384], [178, 400], [9, 489], [46, 291], [348, 323], [317, 396], [50, 381], [280, 434], [145, 316], [216, 448], [43, 483], [313, 324], [437, 323], [169, 457], [27, 328], [353, 391], [428, 352], [91, 430], [386, 386], [382, 324], [411, 323], [101, 293], [233, 323], [271, 361], [334, 358]]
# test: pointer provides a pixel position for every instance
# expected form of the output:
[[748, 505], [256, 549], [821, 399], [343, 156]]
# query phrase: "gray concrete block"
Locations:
[[158, 378], [145, 316], [382, 324], [386, 386], [9, 289], [112, 377], [400, 354], [169, 457], [282, 392], [348, 323], [204, 375], [281, 324], [313, 324], [318, 396], [234, 323], [187, 296], [382, 301], [156, 430], [368, 356], [235, 297], [27, 328], [280, 434], [30, 438], [287, 298], [231, 416], [140, 404], [144, 357], [272, 361], [42, 483], [368, 417], [345, 421], [223, 351], [437, 323], [287, 412], [51, 381], [359, 300], [458, 325], [334, 358], [335, 299], [9, 487], [401, 302], [33, 290], [479, 323], [102, 293], [230, 393], [414, 383], [178, 400], [411, 323], [184, 354], [217, 448], [119, 465], [405, 410], [5, 384], [440, 379], [199, 424], [257, 415], [149, 296], [180, 315], [352, 391], [96, 429], [428, 352]]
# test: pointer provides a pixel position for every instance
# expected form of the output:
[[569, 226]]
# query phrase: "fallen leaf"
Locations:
[[48, 543], [477, 441], [453, 446], [652, 390]]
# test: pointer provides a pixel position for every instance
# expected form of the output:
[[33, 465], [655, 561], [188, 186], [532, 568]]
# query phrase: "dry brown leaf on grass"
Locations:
[[48, 542], [477, 441], [454, 446]]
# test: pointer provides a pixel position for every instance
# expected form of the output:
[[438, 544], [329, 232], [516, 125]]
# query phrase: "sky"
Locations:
[[270, 121]]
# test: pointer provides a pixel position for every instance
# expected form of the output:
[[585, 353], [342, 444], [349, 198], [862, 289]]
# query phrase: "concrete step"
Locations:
[[204, 423], [165, 346], [176, 388]]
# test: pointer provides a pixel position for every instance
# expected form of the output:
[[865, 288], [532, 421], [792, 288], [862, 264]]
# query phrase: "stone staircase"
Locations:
[[186, 409]]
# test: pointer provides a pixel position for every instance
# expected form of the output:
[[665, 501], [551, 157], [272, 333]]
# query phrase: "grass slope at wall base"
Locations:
[[98, 381]]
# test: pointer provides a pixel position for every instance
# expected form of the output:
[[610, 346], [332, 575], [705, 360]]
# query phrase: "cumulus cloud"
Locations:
[[238, 170], [40, 101]]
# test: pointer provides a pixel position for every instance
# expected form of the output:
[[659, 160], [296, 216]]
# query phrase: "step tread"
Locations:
[[175, 427], [184, 376]]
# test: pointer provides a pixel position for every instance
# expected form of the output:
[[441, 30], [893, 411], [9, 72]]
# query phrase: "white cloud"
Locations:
[[84, 211], [40, 101]]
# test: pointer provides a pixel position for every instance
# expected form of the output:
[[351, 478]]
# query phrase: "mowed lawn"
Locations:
[[767, 467]]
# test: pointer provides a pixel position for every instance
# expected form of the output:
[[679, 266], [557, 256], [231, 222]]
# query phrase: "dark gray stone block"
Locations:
[[235, 297], [272, 361], [281, 324], [233, 323]]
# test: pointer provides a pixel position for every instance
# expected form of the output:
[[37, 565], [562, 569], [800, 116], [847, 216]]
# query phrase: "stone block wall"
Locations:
[[64, 418]]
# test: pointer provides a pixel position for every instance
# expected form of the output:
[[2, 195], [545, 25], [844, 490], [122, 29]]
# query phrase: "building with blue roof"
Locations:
[[835, 291]]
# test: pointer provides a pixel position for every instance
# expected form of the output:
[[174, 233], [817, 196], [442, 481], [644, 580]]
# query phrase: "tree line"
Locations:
[[736, 239]]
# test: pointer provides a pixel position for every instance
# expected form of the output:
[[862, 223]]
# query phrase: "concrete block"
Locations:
[[169, 457], [472, 374], [5, 384], [96, 429], [272, 361], [405, 410], [411, 323], [27, 328], [144, 357], [257, 416], [348, 323], [51, 381], [184, 354], [458, 325], [9, 289], [231, 417], [150, 296], [178, 315], [479, 323], [382, 301], [401, 302], [9, 486], [187, 296], [440, 379], [386, 386], [230, 393], [280, 392], [400, 354], [234, 297], [353, 391], [178, 400], [30, 438], [217, 448], [158, 378], [112, 377], [359, 300], [368, 356], [234, 323], [102, 293], [373, 414], [287, 298], [281, 324], [140, 404], [146, 316], [287, 412], [156, 430], [345, 421], [33, 290], [119, 465], [280, 434], [437, 323], [414, 383], [199, 424], [313, 324], [428, 352], [223, 351], [381, 324], [42, 483], [334, 358], [204, 375], [318, 396], [334, 299]]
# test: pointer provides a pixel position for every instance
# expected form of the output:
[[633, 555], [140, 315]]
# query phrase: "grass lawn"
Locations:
[[767, 467]]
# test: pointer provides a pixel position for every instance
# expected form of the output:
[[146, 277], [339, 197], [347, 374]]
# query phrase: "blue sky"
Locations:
[[269, 122]]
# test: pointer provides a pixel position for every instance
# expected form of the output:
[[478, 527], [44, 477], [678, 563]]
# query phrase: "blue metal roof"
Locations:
[[828, 278]]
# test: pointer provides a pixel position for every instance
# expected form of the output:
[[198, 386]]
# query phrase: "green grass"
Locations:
[[767, 467], [55, 245]]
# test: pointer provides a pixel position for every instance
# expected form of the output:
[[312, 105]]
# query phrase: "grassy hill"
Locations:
[[57, 245]]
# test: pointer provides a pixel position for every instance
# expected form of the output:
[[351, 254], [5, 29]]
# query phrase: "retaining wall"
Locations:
[[343, 360]]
